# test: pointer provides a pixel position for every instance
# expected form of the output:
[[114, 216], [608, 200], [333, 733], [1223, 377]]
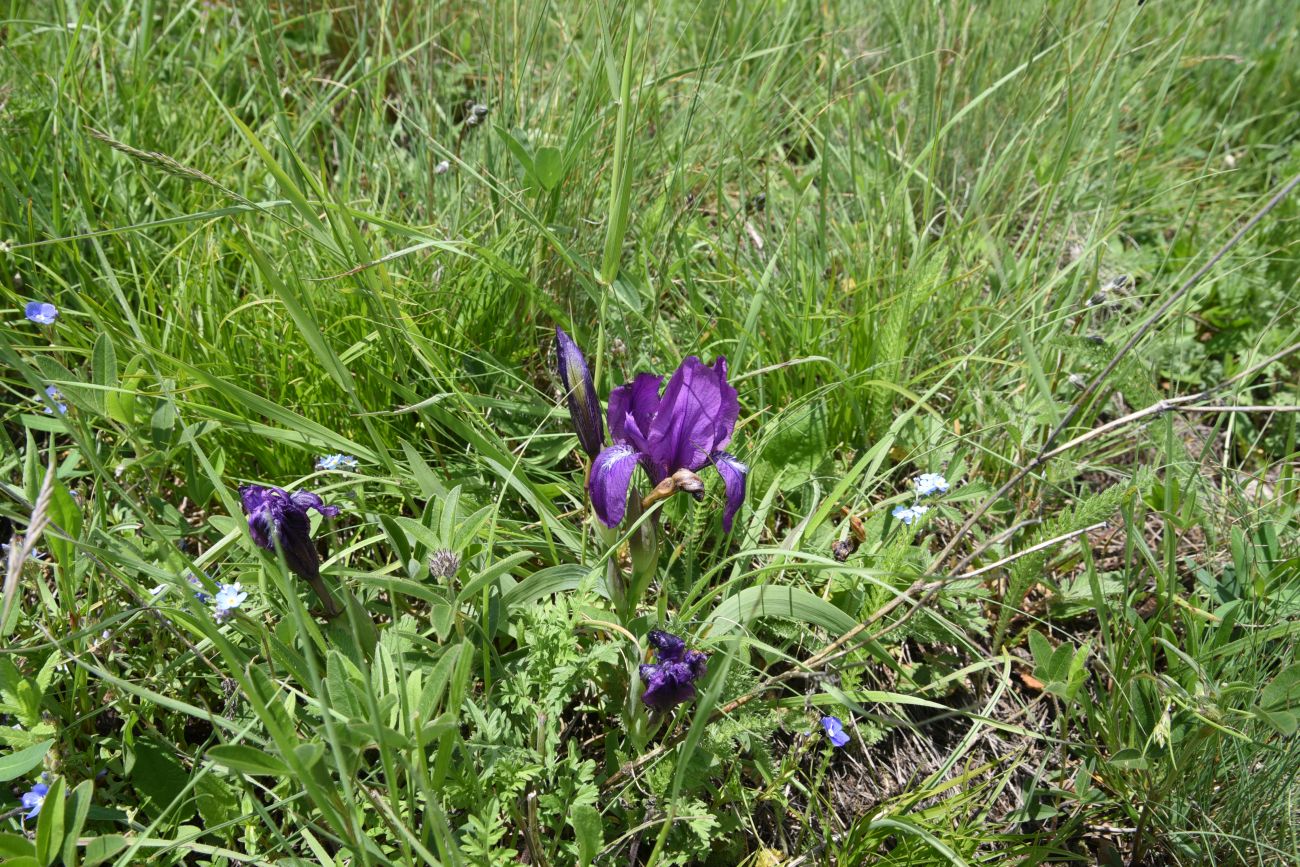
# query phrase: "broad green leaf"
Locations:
[[100, 849], [14, 764], [491, 573], [103, 365], [1041, 649], [49, 825], [1283, 691], [1128, 759], [248, 760], [545, 582], [15, 845], [78, 810], [158, 776], [1284, 721], [588, 830], [548, 166], [775, 601], [66, 515], [217, 802]]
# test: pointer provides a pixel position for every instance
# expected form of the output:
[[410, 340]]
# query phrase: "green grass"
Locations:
[[893, 219]]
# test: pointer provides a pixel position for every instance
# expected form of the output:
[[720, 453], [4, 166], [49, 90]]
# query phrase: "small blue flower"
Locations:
[[53, 394], [199, 593], [930, 483], [41, 312], [335, 462], [908, 514], [228, 598], [35, 555], [835, 730], [34, 799]]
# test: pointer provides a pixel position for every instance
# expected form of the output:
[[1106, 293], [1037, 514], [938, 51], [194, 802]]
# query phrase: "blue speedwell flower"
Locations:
[[55, 395], [686, 428], [34, 799], [199, 593], [671, 680], [835, 730], [908, 514], [336, 462], [41, 312], [579, 393], [930, 483]]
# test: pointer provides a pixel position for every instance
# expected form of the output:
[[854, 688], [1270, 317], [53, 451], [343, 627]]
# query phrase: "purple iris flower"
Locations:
[[277, 517], [684, 428], [41, 312], [835, 730], [671, 680], [580, 393], [34, 799]]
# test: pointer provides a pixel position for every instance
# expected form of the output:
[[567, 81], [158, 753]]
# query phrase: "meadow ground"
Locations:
[[1008, 243]]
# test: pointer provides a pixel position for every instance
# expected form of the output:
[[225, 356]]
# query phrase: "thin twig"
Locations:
[[19, 553], [1030, 550], [1213, 409]]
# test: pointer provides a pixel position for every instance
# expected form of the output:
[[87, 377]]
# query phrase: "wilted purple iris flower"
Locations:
[[685, 428], [835, 730], [278, 517], [671, 680], [579, 393], [41, 312]]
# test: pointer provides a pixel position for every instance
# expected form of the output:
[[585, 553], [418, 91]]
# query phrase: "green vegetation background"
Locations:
[[273, 234]]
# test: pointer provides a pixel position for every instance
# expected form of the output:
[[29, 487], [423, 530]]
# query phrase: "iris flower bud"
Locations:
[[579, 393]]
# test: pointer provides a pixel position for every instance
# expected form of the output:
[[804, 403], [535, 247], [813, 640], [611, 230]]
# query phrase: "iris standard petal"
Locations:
[[733, 474], [611, 474], [682, 433], [252, 497], [304, 500], [669, 647], [579, 393], [632, 409], [729, 411]]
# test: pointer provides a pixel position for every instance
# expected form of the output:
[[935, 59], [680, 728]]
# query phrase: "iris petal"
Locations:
[[670, 648], [294, 535], [632, 409], [733, 474], [579, 393], [682, 434], [304, 500], [729, 411], [611, 474], [669, 685]]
